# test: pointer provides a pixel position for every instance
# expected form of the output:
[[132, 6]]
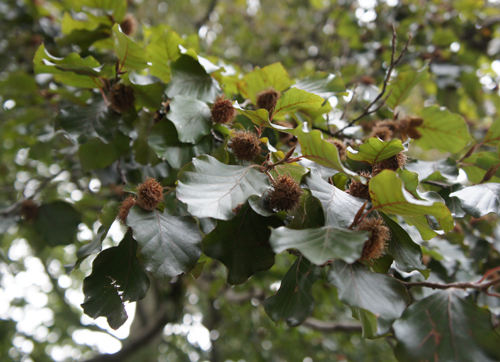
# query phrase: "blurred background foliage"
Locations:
[[40, 316]]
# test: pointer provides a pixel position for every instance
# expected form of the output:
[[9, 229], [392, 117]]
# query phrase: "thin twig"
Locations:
[[393, 64]]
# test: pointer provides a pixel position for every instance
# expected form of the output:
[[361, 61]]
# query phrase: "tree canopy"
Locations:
[[250, 180]]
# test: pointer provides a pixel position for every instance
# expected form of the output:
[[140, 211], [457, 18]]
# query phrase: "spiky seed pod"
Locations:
[[285, 195], [408, 127], [367, 80], [389, 123], [121, 97], [358, 189], [392, 163], [267, 99], [125, 207], [382, 132], [223, 110], [150, 194], [375, 246], [341, 148], [129, 25], [29, 210], [245, 145]]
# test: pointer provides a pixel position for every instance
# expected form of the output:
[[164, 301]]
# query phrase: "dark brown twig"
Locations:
[[393, 64]]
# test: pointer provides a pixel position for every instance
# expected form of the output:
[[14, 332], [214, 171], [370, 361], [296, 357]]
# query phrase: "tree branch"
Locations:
[[469, 285], [199, 23], [146, 335], [394, 63], [331, 327]]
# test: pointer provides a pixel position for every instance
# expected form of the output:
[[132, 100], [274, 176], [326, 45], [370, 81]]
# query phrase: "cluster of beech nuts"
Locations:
[[149, 195]]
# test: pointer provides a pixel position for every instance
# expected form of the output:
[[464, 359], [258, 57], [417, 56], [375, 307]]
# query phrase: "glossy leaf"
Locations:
[[71, 70], [388, 195], [190, 79], [446, 326], [241, 244], [406, 253], [447, 168], [442, 130], [320, 245], [116, 277], [294, 301], [57, 223], [272, 76], [81, 124], [339, 207], [190, 117], [479, 200], [400, 88], [160, 51], [167, 245], [493, 135], [315, 148], [164, 140], [212, 189], [374, 150], [118, 8], [379, 294], [322, 84], [129, 53], [295, 99], [260, 117], [96, 154]]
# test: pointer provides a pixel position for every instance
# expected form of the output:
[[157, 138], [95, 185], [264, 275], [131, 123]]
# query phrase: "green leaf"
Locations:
[[442, 130], [117, 8], [323, 84], [374, 150], [401, 87], [379, 294], [478, 164], [241, 244], [479, 200], [446, 326], [147, 95], [297, 99], [294, 301], [116, 277], [447, 168], [213, 189], [190, 117], [96, 154], [316, 149], [168, 245], [159, 52], [130, 55], [309, 214], [81, 124], [322, 244], [71, 70], [339, 207], [260, 117], [406, 253], [190, 79], [273, 76], [57, 223], [388, 195], [493, 135], [164, 140], [106, 218]]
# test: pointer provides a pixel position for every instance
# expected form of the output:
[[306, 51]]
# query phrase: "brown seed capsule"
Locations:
[[285, 195], [358, 189], [223, 110], [341, 148], [29, 210], [245, 145], [375, 246], [150, 194], [121, 97], [268, 99], [125, 207], [409, 126], [382, 132], [392, 163], [129, 25]]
